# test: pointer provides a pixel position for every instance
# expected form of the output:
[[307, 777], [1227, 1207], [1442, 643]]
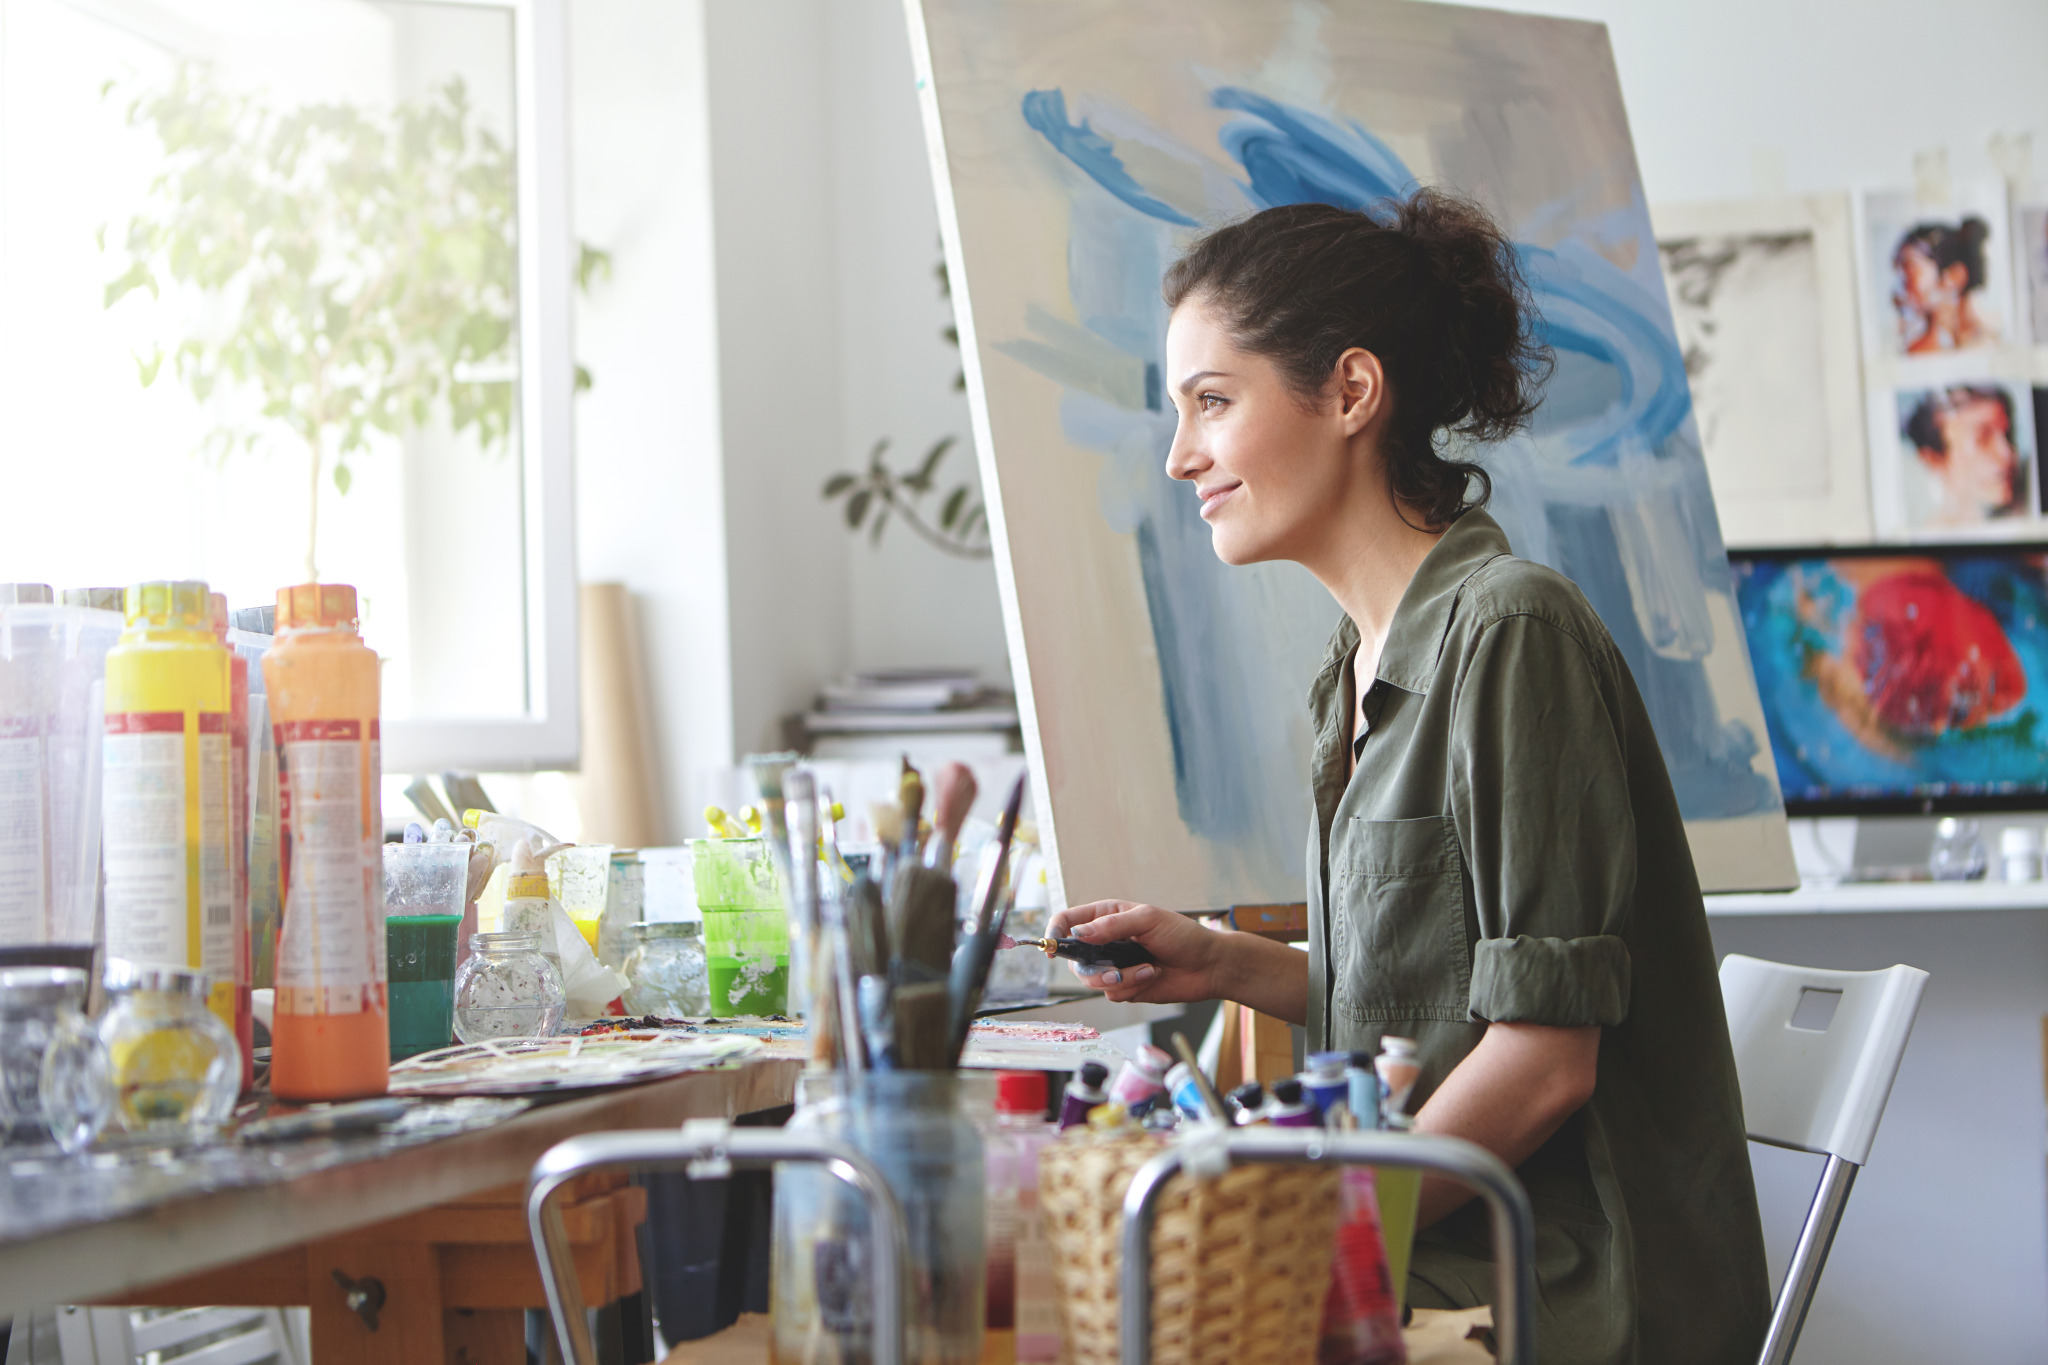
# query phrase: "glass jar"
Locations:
[[746, 928], [1958, 854], [625, 905], [53, 1068], [507, 989], [911, 1124], [666, 973], [175, 1065]]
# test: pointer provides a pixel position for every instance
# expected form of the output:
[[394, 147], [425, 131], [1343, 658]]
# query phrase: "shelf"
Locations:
[[1866, 898]]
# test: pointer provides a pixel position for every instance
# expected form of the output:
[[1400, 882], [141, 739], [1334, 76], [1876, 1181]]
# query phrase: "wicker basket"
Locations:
[[1240, 1263]]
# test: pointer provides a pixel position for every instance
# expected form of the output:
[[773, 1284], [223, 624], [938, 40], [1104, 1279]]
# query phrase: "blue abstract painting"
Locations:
[[1083, 146]]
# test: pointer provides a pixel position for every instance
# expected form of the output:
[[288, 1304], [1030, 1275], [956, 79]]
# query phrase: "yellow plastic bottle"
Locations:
[[330, 1039], [167, 803]]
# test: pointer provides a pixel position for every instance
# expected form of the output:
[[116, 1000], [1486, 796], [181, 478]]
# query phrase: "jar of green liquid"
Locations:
[[746, 929], [423, 894]]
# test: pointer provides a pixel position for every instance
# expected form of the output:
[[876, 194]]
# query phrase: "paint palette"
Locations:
[[530, 1066]]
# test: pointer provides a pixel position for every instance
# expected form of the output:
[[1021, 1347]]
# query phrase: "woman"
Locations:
[[1497, 866]]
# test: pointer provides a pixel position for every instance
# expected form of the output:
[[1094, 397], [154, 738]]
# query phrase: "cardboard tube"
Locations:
[[615, 788]]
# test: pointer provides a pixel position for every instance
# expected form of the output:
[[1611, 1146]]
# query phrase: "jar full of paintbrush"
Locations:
[[914, 1127]]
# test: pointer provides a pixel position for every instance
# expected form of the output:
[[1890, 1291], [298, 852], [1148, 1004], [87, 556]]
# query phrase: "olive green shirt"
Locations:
[[1509, 849]]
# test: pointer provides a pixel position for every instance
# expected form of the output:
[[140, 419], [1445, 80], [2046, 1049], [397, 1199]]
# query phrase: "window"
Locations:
[[285, 284]]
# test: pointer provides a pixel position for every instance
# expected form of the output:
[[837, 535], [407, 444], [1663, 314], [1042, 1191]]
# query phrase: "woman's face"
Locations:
[[1980, 466], [1270, 470], [1919, 278]]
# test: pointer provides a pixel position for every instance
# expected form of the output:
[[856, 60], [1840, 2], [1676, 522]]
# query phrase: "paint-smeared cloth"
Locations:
[[1508, 848]]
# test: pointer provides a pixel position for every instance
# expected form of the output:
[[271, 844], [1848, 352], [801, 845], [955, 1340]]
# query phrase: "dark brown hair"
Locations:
[[1429, 284]]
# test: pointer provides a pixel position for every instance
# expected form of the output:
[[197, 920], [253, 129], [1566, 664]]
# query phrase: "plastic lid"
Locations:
[[255, 620], [1287, 1090], [1397, 1047], [1328, 1061], [505, 942], [1153, 1061], [670, 928], [528, 886], [2019, 840], [1250, 1095], [180, 604], [11, 593], [33, 987], [316, 605], [1362, 1061], [123, 976], [1020, 1092], [1093, 1074], [99, 599]]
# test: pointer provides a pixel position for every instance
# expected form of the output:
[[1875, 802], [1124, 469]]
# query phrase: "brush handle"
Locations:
[[953, 793], [1120, 954]]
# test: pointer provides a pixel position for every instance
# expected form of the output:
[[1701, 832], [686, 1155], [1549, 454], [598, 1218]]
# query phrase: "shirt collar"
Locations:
[[1416, 638]]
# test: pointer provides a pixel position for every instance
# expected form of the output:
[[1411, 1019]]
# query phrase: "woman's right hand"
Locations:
[[1186, 954]]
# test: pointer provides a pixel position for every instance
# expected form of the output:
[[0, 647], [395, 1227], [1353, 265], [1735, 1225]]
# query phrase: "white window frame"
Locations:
[[548, 735]]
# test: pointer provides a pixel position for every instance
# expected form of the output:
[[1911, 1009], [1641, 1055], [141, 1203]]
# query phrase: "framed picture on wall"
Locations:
[[1959, 458], [1937, 277], [1763, 292]]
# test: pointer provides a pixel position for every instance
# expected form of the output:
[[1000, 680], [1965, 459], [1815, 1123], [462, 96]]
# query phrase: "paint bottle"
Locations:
[[1187, 1094], [1022, 1320], [1083, 1093], [529, 909], [1325, 1086], [1247, 1102], [238, 826], [1142, 1082], [1288, 1109], [167, 808], [1398, 1068], [1364, 1090], [331, 1035]]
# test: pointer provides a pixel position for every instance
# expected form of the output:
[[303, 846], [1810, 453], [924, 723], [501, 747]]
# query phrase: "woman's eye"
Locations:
[[1212, 401]]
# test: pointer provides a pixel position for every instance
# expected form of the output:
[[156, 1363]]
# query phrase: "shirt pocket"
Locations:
[[1397, 922]]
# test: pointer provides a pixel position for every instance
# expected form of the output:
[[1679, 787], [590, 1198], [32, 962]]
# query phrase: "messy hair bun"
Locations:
[[1429, 284]]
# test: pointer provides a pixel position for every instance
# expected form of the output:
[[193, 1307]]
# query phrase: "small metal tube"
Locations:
[[1514, 1224], [719, 1145], [1809, 1258]]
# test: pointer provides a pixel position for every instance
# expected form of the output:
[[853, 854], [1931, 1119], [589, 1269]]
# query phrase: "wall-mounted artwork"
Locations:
[[2032, 220], [1763, 294], [1962, 456], [1077, 148], [1938, 276]]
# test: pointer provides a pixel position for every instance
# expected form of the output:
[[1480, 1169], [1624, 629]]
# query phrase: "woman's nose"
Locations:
[[1183, 460]]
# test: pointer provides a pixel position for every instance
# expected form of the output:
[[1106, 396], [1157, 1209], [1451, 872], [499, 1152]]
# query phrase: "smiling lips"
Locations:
[[1213, 498]]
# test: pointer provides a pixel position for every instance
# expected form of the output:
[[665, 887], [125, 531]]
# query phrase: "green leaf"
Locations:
[[932, 458], [857, 508], [838, 484], [342, 479], [876, 469], [875, 535], [590, 263], [950, 512], [146, 370], [136, 276], [583, 379]]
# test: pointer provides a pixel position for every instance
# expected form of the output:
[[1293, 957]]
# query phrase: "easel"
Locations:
[[1257, 1047]]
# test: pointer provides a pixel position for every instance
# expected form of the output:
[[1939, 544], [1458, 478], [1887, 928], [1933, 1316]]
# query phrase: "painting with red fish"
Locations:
[[1901, 677]]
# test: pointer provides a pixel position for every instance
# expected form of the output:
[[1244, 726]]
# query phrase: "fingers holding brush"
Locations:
[[1184, 954]]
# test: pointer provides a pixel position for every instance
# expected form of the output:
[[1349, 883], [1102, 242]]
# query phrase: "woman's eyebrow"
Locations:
[[1198, 376]]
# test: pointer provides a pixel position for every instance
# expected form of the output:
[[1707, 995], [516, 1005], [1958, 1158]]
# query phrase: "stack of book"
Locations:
[[880, 714]]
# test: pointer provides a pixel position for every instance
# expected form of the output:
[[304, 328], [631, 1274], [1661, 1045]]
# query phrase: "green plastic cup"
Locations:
[[746, 930]]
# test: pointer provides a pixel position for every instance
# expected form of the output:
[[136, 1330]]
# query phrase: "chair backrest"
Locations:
[[1816, 1051]]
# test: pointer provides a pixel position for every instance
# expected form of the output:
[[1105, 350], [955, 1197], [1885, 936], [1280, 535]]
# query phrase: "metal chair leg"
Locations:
[[706, 1149], [1514, 1225], [1809, 1258]]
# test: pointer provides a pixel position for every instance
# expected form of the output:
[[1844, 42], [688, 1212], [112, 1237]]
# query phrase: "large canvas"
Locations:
[[1077, 147]]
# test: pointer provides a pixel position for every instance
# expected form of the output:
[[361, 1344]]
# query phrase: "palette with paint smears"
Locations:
[[532, 1066]]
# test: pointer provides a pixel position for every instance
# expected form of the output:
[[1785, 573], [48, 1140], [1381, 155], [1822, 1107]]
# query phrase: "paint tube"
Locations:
[[1364, 1085], [1248, 1101], [1083, 1093], [1142, 1082], [1325, 1085], [1397, 1069], [1287, 1109], [1187, 1094]]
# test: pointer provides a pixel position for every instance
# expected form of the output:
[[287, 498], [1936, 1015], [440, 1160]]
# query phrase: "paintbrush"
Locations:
[[1211, 1101], [920, 1028], [970, 968], [768, 770], [953, 793], [901, 852], [800, 810]]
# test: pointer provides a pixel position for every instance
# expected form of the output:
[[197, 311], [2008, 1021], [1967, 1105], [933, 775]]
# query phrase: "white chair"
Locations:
[[77, 1335], [1815, 1052]]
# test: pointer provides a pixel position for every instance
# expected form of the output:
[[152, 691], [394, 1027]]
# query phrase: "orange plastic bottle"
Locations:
[[330, 1039]]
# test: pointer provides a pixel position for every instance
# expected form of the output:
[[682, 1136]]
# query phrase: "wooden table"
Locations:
[[436, 1224]]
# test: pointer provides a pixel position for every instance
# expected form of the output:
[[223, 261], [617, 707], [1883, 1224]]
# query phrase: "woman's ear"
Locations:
[[1361, 389]]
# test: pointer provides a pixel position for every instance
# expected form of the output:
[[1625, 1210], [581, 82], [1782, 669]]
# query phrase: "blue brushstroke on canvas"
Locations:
[[1604, 486]]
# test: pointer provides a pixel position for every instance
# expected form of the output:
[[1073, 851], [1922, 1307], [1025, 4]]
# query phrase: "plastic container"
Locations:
[[1958, 851], [1022, 1317], [173, 1062], [1363, 1095], [746, 929], [423, 902], [1289, 1108], [1083, 1093], [167, 797], [2019, 853], [1141, 1083], [625, 905], [579, 879], [330, 1035], [52, 681], [238, 824], [265, 904], [1397, 1067], [666, 973], [507, 989], [54, 1083]]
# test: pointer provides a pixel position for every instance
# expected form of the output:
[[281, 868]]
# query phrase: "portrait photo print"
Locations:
[[1965, 455], [1937, 276]]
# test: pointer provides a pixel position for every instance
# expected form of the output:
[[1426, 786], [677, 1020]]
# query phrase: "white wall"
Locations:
[[1832, 94], [650, 484]]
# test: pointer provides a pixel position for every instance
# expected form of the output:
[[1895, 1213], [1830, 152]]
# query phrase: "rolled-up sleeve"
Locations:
[[1540, 796]]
